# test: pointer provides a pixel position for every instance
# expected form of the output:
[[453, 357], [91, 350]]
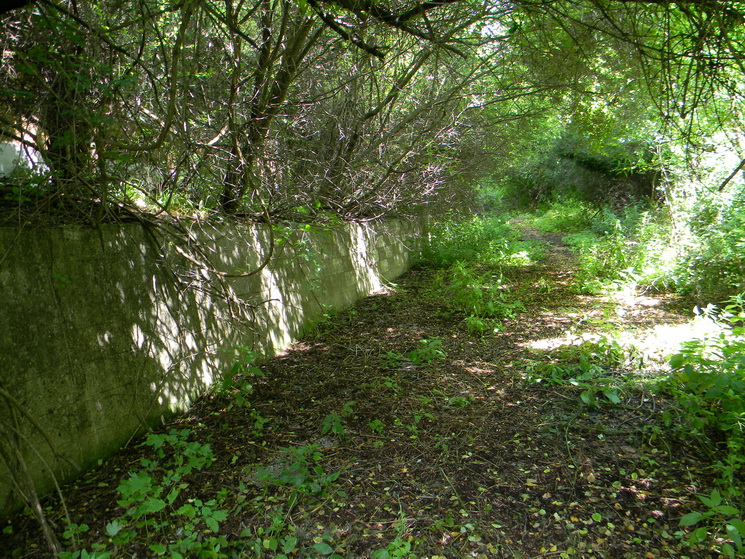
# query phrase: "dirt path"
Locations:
[[454, 457]]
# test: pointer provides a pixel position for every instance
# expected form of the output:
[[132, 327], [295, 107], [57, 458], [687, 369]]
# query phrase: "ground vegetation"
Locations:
[[611, 127], [522, 418]]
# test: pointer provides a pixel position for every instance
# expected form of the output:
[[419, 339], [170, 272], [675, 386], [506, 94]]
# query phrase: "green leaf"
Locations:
[[153, 505], [727, 510], [691, 518], [380, 554], [187, 510], [323, 548], [698, 535], [612, 396], [735, 535], [713, 500], [289, 543], [113, 528], [588, 397], [739, 525], [728, 551], [676, 361], [212, 523], [597, 517], [158, 548], [173, 495], [220, 515]]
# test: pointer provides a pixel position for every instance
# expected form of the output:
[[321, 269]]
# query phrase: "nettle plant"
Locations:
[[238, 385], [333, 422], [159, 512], [427, 350], [589, 366], [481, 297]]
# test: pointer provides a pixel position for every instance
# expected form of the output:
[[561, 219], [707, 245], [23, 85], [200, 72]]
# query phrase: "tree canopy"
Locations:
[[352, 108]]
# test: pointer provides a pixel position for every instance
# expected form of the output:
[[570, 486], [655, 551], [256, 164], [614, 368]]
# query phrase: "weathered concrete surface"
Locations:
[[98, 342]]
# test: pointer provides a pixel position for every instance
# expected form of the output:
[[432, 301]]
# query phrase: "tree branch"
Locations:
[[331, 23], [10, 5]]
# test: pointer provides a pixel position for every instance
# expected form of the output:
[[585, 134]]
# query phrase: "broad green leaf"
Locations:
[[739, 525], [588, 397], [289, 543], [698, 535], [158, 548], [691, 518], [676, 361], [612, 395], [212, 524], [715, 499], [735, 535], [153, 505], [113, 528], [323, 548], [187, 510]]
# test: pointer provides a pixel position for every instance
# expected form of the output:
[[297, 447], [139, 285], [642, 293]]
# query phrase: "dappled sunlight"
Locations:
[[134, 330], [663, 340], [656, 343]]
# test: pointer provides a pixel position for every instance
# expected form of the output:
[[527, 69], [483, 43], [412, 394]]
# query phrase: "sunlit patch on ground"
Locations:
[[656, 344]]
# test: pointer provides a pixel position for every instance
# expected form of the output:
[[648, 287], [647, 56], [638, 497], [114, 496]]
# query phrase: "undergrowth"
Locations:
[[707, 384], [471, 257], [162, 513]]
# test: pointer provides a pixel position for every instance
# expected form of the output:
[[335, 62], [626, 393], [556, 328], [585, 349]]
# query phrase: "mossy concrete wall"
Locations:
[[105, 332]]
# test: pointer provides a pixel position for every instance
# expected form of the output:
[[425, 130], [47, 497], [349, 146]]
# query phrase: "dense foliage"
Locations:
[[619, 122], [287, 108], [360, 109]]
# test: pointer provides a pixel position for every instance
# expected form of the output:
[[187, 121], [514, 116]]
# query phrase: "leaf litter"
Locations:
[[358, 443]]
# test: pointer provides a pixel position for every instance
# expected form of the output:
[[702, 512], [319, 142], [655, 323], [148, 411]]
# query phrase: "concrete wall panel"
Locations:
[[98, 342]]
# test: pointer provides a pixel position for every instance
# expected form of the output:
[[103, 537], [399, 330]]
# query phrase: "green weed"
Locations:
[[427, 350], [588, 366], [707, 384], [481, 297], [719, 521], [332, 423], [157, 507], [300, 469]]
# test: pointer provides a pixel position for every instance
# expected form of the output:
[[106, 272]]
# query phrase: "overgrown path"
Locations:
[[392, 431]]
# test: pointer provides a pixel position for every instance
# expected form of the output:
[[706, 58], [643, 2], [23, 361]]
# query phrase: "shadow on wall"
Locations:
[[106, 333]]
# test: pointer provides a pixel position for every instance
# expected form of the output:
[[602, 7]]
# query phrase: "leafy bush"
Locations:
[[481, 296], [616, 249], [708, 381], [588, 366], [707, 384], [300, 468], [451, 241], [713, 265], [567, 216], [487, 241]]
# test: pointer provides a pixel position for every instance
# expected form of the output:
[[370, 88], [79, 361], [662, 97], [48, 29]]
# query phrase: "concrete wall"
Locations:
[[105, 332]]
